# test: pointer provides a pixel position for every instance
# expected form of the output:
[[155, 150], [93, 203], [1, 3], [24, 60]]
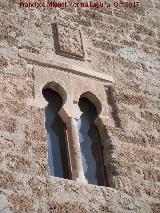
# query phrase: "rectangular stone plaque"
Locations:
[[68, 41]]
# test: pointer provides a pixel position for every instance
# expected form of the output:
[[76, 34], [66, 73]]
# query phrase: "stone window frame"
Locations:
[[61, 75], [70, 120]]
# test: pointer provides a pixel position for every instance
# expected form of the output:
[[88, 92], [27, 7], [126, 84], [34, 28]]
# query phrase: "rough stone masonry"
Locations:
[[112, 52]]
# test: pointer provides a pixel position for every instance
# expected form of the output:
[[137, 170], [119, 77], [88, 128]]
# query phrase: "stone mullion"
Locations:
[[74, 148]]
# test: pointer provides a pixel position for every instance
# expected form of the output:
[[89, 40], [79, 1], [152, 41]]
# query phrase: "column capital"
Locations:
[[67, 112]]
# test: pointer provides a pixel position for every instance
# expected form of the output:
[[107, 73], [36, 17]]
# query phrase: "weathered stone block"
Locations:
[[126, 16], [6, 144], [68, 41], [7, 124], [21, 203], [38, 186], [18, 163], [8, 181], [155, 207], [4, 205], [151, 174], [107, 46], [16, 88], [152, 189], [35, 133], [132, 100], [3, 62], [40, 150], [141, 29]]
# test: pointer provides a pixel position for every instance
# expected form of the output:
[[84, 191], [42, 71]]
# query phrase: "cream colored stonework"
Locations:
[[110, 56]]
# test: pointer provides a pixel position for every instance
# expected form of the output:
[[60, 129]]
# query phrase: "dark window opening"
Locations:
[[56, 131], [91, 150]]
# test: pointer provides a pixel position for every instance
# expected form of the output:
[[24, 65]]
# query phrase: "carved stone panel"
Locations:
[[68, 41]]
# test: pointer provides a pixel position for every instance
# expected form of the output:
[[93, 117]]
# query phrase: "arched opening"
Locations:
[[89, 138], [56, 131], [54, 86], [94, 100]]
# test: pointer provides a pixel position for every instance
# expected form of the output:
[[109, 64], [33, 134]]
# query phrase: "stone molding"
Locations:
[[42, 61]]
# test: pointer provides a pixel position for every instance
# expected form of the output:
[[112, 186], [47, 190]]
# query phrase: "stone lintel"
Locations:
[[42, 61]]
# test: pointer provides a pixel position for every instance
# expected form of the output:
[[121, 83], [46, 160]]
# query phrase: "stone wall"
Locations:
[[120, 56]]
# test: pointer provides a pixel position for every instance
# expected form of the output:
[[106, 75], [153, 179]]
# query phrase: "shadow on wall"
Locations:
[[55, 38], [113, 106], [112, 164]]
